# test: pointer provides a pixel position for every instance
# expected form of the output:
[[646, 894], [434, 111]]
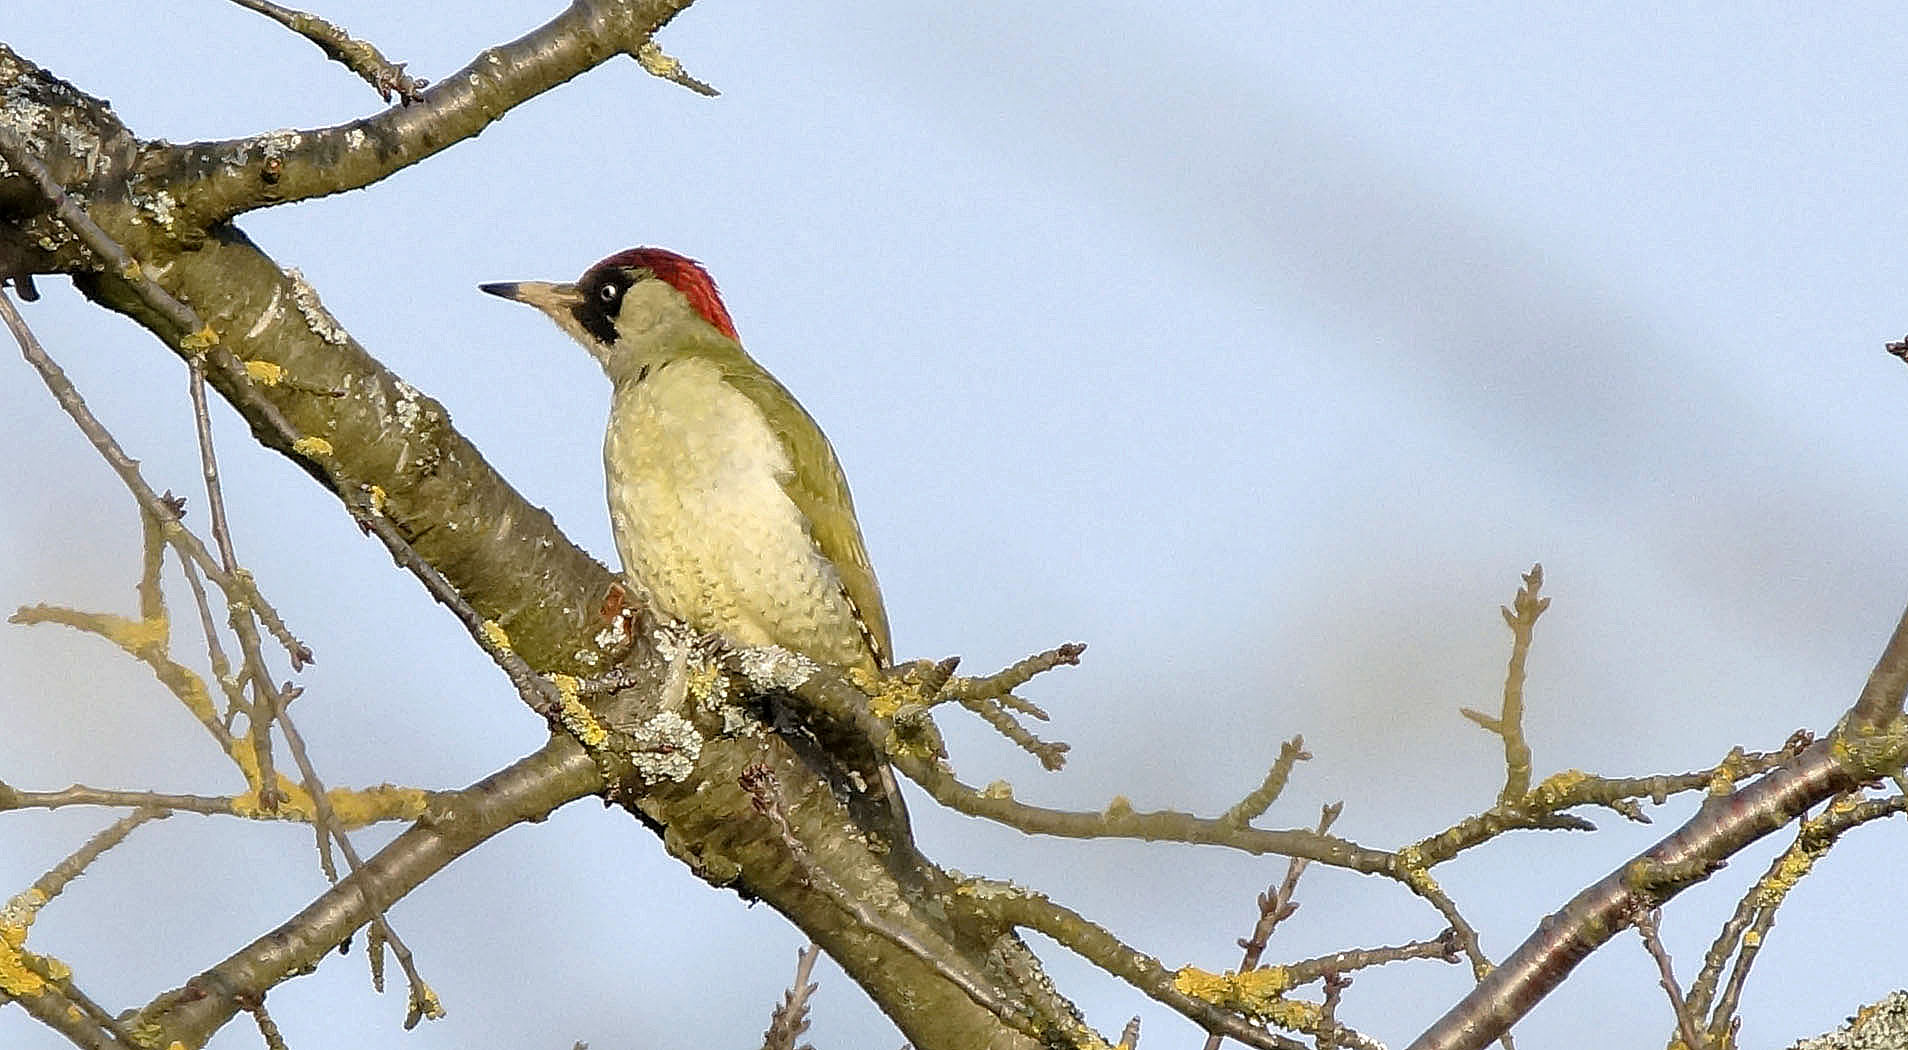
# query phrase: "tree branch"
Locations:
[[1872, 742], [211, 182], [528, 790], [391, 456]]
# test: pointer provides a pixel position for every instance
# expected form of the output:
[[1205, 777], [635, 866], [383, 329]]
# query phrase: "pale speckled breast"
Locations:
[[703, 525]]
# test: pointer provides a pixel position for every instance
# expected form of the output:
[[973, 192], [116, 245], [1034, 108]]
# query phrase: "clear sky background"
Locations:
[[1258, 346]]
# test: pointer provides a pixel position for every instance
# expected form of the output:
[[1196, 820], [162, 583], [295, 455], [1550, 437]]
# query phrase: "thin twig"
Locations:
[[654, 62], [1097, 945], [790, 1018], [259, 723], [163, 509], [235, 702], [1275, 904], [1254, 805], [423, 1001], [536, 691], [45, 990], [1335, 985], [1521, 616], [992, 710], [360, 57], [1646, 928], [391, 804], [1018, 674], [1748, 929], [267, 1028], [50, 885], [1539, 809], [1443, 947]]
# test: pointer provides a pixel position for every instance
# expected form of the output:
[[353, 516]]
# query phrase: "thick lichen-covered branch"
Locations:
[[211, 182], [397, 465]]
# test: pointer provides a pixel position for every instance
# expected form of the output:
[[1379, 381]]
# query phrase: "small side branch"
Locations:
[[386, 77], [1646, 927], [790, 1019], [1276, 904], [1521, 616], [657, 64], [43, 986], [1882, 696], [1254, 805], [367, 806], [538, 692], [1092, 942]]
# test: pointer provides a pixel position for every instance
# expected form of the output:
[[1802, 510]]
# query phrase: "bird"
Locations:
[[728, 505]]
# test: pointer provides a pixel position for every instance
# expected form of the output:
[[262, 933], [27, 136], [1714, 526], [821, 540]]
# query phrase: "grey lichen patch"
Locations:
[[159, 205], [23, 108], [675, 641], [770, 667], [665, 748], [317, 318], [993, 889], [275, 144], [406, 409], [81, 140], [615, 636]]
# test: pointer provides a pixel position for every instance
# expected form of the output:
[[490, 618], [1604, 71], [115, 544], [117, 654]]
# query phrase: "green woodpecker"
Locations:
[[729, 508]]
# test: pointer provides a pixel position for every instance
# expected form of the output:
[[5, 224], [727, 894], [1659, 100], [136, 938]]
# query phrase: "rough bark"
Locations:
[[384, 445]]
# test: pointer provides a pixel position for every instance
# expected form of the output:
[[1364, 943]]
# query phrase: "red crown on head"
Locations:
[[684, 275]]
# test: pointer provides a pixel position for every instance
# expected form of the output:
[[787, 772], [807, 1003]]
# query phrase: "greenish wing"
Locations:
[[819, 490]]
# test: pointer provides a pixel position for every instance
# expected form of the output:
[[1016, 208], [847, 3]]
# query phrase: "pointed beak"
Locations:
[[550, 298]]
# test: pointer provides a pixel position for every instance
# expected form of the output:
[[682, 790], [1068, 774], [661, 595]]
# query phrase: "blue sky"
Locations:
[[1259, 349]]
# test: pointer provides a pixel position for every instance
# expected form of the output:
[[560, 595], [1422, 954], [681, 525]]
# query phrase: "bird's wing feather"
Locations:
[[819, 490]]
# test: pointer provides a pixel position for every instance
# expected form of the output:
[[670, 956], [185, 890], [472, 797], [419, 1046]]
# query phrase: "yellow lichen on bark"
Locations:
[[17, 978], [1789, 870], [352, 807], [577, 719], [1260, 992], [885, 694], [1557, 786], [201, 340]]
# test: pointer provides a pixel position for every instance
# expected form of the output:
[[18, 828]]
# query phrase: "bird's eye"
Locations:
[[608, 293]]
